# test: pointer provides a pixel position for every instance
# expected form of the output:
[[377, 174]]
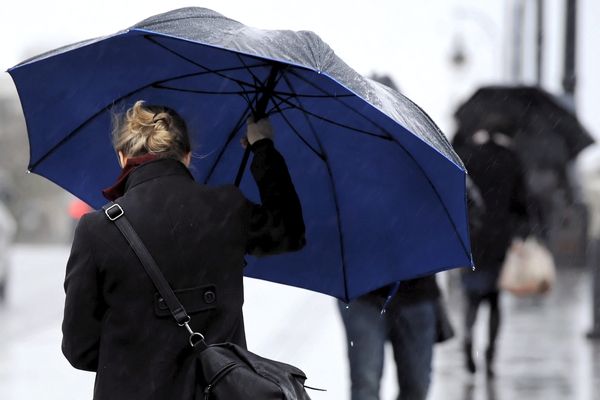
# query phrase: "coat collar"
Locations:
[[156, 169]]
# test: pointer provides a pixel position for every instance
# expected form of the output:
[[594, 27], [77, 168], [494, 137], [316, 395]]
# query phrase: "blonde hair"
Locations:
[[150, 129]]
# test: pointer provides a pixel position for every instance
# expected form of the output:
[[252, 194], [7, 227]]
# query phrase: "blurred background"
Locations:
[[438, 53]]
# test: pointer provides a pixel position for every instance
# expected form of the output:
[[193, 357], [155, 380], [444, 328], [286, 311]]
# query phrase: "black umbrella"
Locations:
[[527, 114]]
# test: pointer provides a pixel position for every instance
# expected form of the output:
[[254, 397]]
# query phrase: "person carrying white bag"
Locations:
[[499, 176]]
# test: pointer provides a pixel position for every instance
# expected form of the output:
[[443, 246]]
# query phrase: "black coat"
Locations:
[[499, 176], [114, 324]]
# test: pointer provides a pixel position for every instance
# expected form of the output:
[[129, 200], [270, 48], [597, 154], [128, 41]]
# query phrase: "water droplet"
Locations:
[[351, 343], [28, 172], [347, 306], [474, 268]]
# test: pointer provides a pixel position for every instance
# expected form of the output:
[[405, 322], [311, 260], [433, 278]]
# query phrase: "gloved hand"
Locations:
[[258, 130]]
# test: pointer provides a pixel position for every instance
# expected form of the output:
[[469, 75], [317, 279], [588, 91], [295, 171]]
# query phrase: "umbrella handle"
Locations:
[[259, 113], [261, 104]]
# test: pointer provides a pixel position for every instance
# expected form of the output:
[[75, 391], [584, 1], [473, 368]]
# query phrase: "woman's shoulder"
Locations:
[[92, 220]]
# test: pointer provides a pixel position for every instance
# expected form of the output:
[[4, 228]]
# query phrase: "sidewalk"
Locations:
[[542, 353], [542, 349]]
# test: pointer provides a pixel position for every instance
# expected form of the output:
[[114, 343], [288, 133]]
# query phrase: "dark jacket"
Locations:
[[114, 323], [498, 174]]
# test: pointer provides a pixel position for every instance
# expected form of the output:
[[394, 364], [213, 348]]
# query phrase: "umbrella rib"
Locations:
[[277, 105], [232, 134], [238, 125], [279, 110], [207, 71], [335, 197], [335, 97], [112, 103], [293, 128], [315, 96], [277, 80], [240, 82], [308, 121], [202, 91], [239, 93], [216, 71], [332, 121], [256, 83], [437, 194]]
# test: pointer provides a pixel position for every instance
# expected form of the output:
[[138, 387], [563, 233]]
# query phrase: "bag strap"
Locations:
[[115, 213]]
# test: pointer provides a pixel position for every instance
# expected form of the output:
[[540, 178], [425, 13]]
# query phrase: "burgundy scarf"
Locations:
[[118, 189]]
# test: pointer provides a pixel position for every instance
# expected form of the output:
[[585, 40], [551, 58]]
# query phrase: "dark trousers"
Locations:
[[410, 329], [473, 301]]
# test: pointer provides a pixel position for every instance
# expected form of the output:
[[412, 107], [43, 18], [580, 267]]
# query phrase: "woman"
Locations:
[[115, 323], [498, 175]]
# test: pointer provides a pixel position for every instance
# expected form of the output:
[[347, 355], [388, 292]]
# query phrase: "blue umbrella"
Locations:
[[383, 193]]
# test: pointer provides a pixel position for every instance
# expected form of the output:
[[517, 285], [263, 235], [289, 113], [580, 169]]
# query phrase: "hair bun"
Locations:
[[151, 129], [162, 120]]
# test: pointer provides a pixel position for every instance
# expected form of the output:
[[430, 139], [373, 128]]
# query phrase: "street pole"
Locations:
[[517, 47], [569, 84], [539, 42], [569, 72], [594, 332]]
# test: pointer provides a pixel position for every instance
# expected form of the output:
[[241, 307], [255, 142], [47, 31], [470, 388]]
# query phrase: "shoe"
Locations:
[[469, 362]]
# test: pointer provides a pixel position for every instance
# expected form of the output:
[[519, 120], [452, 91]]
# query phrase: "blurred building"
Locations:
[[39, 206]]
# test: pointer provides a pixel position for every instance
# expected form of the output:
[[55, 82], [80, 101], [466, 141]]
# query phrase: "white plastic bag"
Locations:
[[528, 268]]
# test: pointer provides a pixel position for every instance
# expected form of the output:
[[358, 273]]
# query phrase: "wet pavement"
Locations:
[[542, 351], [542, 354]]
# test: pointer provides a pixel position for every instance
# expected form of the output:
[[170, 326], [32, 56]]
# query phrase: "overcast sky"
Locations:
[[411, 40]]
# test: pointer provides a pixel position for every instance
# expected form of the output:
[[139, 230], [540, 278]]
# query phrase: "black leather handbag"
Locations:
[[223, 371]]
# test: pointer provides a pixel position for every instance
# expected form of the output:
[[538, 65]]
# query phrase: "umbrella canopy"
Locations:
[[528, 114], [383, 193]]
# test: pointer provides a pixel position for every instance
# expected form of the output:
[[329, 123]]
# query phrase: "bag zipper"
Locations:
[[217, 378]]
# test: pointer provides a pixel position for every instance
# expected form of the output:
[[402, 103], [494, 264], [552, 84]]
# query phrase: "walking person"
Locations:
[[114, 322], [497, 173], [408, 322]]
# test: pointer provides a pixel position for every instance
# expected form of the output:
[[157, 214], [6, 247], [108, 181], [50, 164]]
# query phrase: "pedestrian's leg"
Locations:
[[494, 328], [472, 305], [366, 332], [413, 333]]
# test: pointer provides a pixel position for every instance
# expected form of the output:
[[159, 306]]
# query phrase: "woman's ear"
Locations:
[[187, 159], [122, 159]]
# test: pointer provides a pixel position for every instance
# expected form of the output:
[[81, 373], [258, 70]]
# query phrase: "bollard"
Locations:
[[594, 263]]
